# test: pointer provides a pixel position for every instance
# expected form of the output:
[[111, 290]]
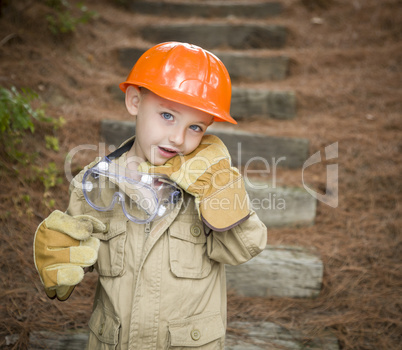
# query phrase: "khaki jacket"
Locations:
[[162, 285]]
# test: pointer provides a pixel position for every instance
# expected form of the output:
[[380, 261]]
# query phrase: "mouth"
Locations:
[[168, 152]]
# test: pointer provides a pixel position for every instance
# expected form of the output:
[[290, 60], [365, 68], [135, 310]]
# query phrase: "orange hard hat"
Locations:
[[186, 74]]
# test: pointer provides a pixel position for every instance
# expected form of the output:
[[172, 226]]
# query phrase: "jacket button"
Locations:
[[107, 227], [101, 329], [195, 334], [195, 230]]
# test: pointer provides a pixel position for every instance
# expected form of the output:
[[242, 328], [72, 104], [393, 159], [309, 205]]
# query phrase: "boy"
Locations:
[[161, 283]]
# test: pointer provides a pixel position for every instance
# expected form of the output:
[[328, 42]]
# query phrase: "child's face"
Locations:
[[164, 128]]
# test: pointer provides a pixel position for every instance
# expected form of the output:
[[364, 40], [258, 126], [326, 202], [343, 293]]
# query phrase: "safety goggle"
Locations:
[[143, 197]]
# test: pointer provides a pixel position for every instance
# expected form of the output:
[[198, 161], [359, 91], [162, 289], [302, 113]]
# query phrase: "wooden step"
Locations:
[[245, 66], [208, 9], [215, 35], [278, 271], [244, 147]]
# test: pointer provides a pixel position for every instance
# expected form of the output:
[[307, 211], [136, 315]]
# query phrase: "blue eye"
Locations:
[[195, 128], [167, 116]]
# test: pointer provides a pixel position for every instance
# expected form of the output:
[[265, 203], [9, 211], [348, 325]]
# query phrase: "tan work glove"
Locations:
[[63, 246], [206, 173]]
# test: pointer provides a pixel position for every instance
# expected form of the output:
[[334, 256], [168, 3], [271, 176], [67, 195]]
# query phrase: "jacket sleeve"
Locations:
[[239, 244]]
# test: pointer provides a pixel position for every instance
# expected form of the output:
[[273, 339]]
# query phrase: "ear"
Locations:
[[133, 97]]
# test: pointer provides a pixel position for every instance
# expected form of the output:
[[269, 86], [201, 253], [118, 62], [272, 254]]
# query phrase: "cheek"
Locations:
[[149, 134], [147, 126], [193, 143]]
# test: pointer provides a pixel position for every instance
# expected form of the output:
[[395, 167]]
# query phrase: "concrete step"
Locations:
[[245, 66], [279, 271], [208, 9], [244, 147], [270, 336], [215, 35], [248, 103]]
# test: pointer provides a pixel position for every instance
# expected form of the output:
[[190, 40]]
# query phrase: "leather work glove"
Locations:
[[62, 248], [206, 173]]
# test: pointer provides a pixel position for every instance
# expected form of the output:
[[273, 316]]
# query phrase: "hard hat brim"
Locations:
[[185, 99]]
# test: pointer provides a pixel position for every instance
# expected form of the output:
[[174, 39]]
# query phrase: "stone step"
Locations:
[[270, 336], [247, 103], [215, 35], [39, 340], [245, 66], [281, 206], [246, 148], [279, 271], [208, 9], [275, 206], [240, 336]]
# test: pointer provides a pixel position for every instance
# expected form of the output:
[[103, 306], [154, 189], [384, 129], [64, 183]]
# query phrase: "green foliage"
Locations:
[[51, 203], [16, 112], [65, 20], [22, 205], [17, 115], [26, 198], [17, 118], [49, 176], [58, 123], [52, 143]]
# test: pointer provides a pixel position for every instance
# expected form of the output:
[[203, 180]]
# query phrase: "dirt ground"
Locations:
[[346, 72]]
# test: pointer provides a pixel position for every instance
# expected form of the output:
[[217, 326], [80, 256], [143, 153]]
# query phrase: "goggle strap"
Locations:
[[120, 151]]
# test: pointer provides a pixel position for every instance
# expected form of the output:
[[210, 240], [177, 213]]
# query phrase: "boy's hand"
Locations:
[[62, 248], [206, 174]]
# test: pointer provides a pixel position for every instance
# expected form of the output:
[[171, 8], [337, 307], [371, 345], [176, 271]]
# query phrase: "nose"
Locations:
[[177, 136]]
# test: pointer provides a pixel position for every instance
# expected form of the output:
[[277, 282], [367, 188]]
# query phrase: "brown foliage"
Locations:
[[346, 72]]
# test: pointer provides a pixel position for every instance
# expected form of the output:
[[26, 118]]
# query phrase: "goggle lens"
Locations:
[[143, 197]]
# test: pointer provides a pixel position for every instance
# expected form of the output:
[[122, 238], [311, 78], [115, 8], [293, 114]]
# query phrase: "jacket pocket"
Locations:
[[188, 249], [105, 327], [205, 331], [111, 251]]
